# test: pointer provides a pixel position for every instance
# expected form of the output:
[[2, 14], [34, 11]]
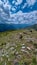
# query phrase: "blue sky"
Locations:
[[23, 5], [18, 11]]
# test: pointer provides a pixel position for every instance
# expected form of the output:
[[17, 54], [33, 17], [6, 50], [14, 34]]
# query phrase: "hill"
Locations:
[[18, 47], [33, 27]]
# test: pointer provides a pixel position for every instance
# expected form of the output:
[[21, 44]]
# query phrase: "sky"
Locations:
[[18, 11]]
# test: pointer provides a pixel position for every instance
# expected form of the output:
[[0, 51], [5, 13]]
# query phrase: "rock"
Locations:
[[0, 48], [7, 45], [28, 48], [9, 59], [36, 50], [19, 56], [1, 59], [16, 53], [22, 50], [3, 55], [20, 36], [25, 63], [23, 47], [13, 44], [12, 48], [22, 44], [16, 63], [0, 53], [31, 31], [24, 33], [7, 56], [35, 45]]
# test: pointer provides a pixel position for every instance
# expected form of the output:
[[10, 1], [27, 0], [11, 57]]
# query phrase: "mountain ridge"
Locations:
[[6, 27], [33, 27]]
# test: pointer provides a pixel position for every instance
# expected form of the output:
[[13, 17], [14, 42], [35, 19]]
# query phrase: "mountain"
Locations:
[[5, 27], [33, 27]]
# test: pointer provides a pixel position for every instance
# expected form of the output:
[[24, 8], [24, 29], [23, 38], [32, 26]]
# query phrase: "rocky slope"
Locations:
[[18, 47]]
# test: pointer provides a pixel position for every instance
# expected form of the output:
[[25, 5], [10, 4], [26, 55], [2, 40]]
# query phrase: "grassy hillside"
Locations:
[[18, 47], [33, 27]]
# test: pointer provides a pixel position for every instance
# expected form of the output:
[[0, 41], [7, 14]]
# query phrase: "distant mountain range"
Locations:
[[5, 27], [33, 27]]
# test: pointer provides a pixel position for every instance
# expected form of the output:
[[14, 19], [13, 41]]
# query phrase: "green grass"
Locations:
[[12, 37]]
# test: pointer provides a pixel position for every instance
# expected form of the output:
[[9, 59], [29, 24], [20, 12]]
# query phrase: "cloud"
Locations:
[[16, 18], [1, 3], [31, 2], [7, 5], [18, 2], [20, 18]]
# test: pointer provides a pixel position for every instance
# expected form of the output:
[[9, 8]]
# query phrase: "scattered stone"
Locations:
[[22, 50], [0, 53], [12, 48], [0, 48], [1, 59], [26, 52], [3, 55], [7, 45], [31, 31], [19, 56], [9, 59], [16, 63], [13, 52], [24, 33], [23, 47], [13, 44], [7, 56], [35, 51], [28, 48], [22, 44], [20, 36], [35, 45], [5, 63], [16, 53], [25, 63]]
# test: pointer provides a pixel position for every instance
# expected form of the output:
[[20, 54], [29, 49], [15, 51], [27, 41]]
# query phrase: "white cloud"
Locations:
[[18, 2], [7, 5], [25, 4], [17, 18], [31, 2], [1, 2], [13, 9]]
